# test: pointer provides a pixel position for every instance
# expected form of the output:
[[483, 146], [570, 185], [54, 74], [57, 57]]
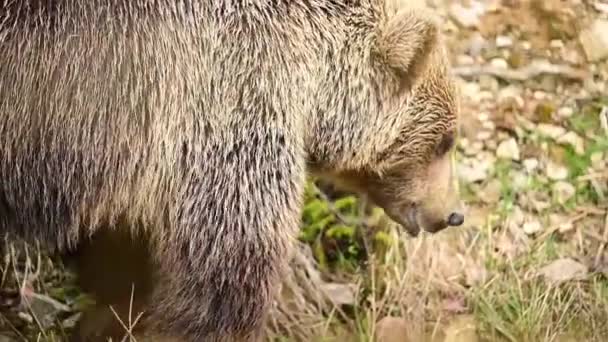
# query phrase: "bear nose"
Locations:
[[455, 219]]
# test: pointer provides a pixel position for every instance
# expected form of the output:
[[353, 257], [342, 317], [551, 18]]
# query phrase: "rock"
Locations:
[[530, 165], [556, 172], [339, 294], [565, 112], [476, 45], [562, 270], [491, 192], [532, 227], [563, 191], [467, 16], [594, 40], [557, 44], [551, 131], [511, 94], [519, 180], [483, 135], [472, 174], [597, 161], [499, 63], [574, 140], [503, 41], [392, 329], [462, 329], [508, 149]]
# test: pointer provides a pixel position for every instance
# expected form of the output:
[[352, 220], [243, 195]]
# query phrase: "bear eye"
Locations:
[[446, 144]]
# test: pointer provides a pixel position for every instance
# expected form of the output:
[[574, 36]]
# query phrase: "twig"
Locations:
[[600, 250], [584, 213], [535, 69]]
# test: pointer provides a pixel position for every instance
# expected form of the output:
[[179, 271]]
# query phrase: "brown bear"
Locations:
[[189, 127]]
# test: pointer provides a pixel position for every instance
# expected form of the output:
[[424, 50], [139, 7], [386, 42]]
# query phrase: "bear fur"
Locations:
[[192, 125]]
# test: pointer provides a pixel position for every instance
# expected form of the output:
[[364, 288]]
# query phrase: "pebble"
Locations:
[[516, 218], [499, 63], [472, 174], [532, 227], [467, 16], [563, 191], [597, 161], [530, 164], [483, 117], [510, 94], [491, 192], [574, 140], [556, 172], [557, 44], [551, 131], [483, 135], [503, 41], [565, 112], [508, 149], [519, 180], [489, 125], [595, 40]]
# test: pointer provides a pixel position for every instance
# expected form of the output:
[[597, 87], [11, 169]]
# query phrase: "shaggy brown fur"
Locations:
[[195, 122]]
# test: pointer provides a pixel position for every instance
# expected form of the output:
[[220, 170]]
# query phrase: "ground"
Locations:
[[531, 262]]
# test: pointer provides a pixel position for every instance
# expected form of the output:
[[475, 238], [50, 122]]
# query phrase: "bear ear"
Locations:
[[406, 42]]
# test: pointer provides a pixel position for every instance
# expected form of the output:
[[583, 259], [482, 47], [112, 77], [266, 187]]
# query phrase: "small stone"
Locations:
[[574, 140], [499, 63], [483, 135], [503, 41], [532, 227], [519, 180], [511, 94], [563, 191], [470, 90], [489, 125], [508, 149], [597, 161], [472, 174], [565, 112], [467, 16], [476, 45], [516, 218], [595, 40], [530, 165], [563, 270], [556, 172], [464, 60], [473, 149], [339, 294], [483, 117], [489, 83], [557, 44], [551, 131], [491, 192]]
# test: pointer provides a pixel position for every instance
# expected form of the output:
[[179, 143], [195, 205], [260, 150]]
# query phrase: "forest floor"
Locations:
[[531, 262]]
